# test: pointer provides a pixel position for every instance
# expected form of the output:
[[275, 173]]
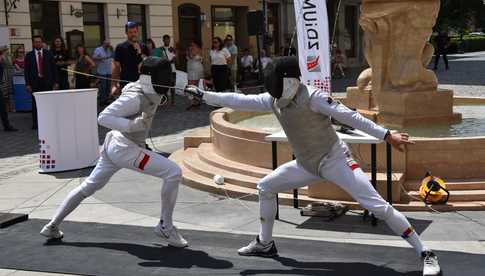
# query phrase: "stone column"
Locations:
[[68, 21], [398, 84], [115, 22]]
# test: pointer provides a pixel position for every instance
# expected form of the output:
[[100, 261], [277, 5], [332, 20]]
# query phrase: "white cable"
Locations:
[[126, 81]]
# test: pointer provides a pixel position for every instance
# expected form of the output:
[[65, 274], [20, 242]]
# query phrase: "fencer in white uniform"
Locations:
[[130, 118], [304, 113]]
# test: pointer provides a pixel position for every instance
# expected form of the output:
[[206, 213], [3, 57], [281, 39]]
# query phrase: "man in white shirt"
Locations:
[[169, 53], [232, 48], [130, 118], [304, 113], [265, 60], [247, 62], [103, 56]]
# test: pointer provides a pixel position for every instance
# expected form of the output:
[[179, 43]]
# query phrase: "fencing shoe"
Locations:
[[256, 248], [431, 266], [171, 235], [51, 232]]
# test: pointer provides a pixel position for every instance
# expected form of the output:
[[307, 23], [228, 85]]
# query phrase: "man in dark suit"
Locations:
[[40, 73]]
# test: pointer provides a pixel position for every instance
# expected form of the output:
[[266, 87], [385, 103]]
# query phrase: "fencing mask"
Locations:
[[279, 69], [160, 71]]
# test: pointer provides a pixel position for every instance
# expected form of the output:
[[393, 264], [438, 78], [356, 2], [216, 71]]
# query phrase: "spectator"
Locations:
[[265, 60], [151, 46], [169, 53], [289, 49], [40, 73], [442, 42], [84, 64], [339, 63], [19, 61], [247, 62], [220, 58], [232, 48], [62, 59], [6, 85], [3, 110], [103, 56], [128, 55], [282, 51], [195, 69]]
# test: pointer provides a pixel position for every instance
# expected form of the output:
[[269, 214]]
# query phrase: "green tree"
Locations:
[[460, 15]]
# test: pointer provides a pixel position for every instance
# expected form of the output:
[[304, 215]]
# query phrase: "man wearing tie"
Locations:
[[40, 73]]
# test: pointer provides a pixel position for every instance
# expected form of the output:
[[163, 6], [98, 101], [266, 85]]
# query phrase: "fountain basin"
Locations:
[[236, 145]]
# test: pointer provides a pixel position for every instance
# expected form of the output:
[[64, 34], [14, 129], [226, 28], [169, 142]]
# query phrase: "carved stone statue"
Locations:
[[396, 47], [398, 89]]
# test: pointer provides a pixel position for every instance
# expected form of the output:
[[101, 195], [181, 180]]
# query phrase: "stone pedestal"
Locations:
[[360, 99], [405, 109]]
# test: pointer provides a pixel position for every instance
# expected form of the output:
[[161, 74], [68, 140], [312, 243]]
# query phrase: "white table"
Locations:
[[350, 137]]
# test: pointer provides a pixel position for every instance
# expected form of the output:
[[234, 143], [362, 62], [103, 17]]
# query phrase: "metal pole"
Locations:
[[274, 150], [6, 11], [260, 65], [389, 172]]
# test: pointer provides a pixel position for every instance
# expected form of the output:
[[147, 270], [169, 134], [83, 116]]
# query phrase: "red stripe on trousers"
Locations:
[[408, 232], [355, 167], [143, 162]]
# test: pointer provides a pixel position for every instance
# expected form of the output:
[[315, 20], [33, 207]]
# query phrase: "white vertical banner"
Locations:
[[313, 42]]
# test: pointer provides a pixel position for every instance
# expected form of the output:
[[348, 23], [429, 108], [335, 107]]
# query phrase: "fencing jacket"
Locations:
[[136, 98], [305, 120]]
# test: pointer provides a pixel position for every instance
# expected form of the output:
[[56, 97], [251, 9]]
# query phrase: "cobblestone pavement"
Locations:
[[466, 75], [18, 151]]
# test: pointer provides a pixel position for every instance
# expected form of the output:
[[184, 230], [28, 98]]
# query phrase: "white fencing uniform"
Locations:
[[138, 101], [337, 164]]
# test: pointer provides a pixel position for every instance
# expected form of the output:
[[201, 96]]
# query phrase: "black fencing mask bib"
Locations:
[[277, 70], [160, 71]]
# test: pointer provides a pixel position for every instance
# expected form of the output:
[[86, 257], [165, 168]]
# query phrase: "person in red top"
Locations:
[[19, 61]]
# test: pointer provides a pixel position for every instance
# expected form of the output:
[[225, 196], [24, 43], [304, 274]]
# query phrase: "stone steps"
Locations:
[[198, 173], [461, 195], [451, 184], [207, 154], [193, 163], [461, 190]]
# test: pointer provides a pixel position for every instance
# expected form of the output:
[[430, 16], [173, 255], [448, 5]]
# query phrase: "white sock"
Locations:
[[267, 211], [401, 226], [415, 241], [169, 198], [73, 199]]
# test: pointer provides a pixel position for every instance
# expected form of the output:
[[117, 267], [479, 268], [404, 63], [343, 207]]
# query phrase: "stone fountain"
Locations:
[[398, 88]]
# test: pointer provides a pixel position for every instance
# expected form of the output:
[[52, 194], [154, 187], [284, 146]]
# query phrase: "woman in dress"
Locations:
[[151, 47], [84, 64], [61, 57], [195, 68]]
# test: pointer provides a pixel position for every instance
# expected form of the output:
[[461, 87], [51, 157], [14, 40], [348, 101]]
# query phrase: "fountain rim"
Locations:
[[220, 121]]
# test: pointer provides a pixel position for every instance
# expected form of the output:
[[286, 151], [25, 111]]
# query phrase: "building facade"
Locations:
[[88, 22], [201, 20], [91, 21]]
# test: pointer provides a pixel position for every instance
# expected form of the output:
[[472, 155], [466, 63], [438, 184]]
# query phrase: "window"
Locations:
[[93, 26], [136, 13], [44, 19], [224, 22]]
